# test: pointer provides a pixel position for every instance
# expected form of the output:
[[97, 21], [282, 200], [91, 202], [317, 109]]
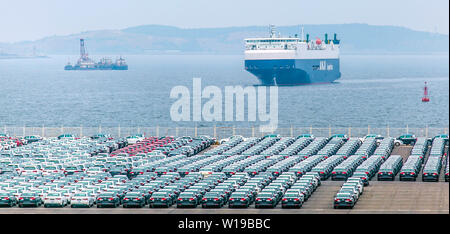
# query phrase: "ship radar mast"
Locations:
[[303, 35], [272, 30]]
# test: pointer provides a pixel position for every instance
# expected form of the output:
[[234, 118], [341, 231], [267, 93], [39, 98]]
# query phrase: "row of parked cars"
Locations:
[[76, 171], [7, 142], [349, 193], [264, 171], [390, 168], [373, 157], [93, 182], [432, 168], [31, 174], [411, 168], [447, 170], [166, 145], [433, 165]]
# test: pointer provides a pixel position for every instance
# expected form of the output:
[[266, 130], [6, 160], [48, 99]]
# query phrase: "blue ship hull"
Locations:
[[294, 71]]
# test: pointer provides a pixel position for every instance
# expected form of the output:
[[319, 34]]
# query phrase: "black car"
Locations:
[[7, 199], [108, 200], [135, 172], [133, 199], [266, 200], [239, 200], [31, 139], [344, 200], [118, 170], [187, 199], [72, 169], [340, 174], [408, 175], [386, 174], [292, 200], [213, 200], [430, 175], [145, 193], [30, 199], [407, 139], [161, 199]]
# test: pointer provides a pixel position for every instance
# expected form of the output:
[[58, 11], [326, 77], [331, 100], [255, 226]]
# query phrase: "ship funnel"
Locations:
[[326, 38], [307, 37], [335, 36]]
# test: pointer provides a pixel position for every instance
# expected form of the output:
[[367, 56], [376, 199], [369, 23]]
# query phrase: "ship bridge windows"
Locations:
[[271, 44], [271, 40]]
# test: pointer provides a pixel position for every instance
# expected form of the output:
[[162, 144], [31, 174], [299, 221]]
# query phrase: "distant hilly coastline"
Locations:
[[156, 39]]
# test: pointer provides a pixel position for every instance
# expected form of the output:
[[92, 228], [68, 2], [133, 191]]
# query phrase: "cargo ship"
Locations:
[[85, 63], [277, 60]]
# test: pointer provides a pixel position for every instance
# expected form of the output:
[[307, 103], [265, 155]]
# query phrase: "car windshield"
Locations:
[[359, 174], [133, 194], [407, 170], [28, 194], [346, 191], [81, 195], [212, 194], [291, 195], [234, 195], [354, 180], [54, 195], [106, 195]]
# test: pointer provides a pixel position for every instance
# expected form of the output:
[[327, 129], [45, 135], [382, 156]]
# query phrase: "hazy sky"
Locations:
[[30, 19]]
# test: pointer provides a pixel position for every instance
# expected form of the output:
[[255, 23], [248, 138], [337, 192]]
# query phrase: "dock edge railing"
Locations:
[[220, 132]]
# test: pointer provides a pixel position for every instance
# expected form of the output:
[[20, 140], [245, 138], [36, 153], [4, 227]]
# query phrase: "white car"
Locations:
[[30, 170], [94, 170], [357, 184], [48, 170], [81, 200], [67, 193], [135, 139], [55, 199], [348, 188], [360, 181]]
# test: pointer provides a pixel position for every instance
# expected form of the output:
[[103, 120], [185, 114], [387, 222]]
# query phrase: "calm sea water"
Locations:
[[374, 90]]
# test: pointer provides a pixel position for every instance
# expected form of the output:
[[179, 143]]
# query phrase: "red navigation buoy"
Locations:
[[425, 97], [318, 41]]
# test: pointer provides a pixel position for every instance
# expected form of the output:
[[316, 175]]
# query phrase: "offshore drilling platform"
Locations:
[[85, 63]]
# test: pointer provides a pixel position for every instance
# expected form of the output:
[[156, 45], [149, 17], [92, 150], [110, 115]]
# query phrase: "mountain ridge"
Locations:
[[153, 38]]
